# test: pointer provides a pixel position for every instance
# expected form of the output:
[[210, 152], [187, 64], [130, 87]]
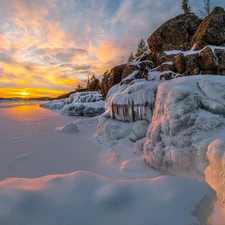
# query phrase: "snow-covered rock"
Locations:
[[110, 129], [69, 128], [138, 130], [79, 104], [189, 115], [84, 104], [84, 97], [55, 104], [86, 198]]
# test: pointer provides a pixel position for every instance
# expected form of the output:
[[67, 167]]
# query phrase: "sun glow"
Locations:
[[24, 93]]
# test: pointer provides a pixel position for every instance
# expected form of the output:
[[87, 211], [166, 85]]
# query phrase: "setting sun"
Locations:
[[24, 93]]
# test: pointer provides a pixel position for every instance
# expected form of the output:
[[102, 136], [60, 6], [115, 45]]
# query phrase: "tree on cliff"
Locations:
[[206, 9], [131, 57], [185, 6], [93, 84], [142, 47]]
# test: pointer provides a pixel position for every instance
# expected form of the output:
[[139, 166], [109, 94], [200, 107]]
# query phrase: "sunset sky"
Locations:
[[48, 47]]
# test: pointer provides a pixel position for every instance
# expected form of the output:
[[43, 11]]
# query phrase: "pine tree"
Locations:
[[185, 6], [131, 57], [142, 47], [94, 84], [206, 9]]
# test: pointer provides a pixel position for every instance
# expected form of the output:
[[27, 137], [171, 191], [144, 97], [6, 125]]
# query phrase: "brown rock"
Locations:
[[211, 30], [220, 54], [166, 66], [163, 58], [116, 75], [142, 68], [174, 34], [180, 63], [207, 60], [192, 67]]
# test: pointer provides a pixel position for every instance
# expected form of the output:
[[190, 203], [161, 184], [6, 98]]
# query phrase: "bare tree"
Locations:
[[205, 11], [185, 6]]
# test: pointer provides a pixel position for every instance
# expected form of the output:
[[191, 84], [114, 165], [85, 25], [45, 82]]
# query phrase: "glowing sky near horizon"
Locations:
[[48, 47]]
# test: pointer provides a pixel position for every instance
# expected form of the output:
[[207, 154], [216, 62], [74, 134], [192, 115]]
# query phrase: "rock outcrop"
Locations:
[[174, 34], [211, 30]]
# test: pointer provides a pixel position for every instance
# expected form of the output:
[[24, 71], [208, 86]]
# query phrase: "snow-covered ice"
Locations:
[[86, 198], [31, 147]]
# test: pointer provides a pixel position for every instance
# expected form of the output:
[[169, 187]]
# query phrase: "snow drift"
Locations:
[[188, 116], [86, 198]]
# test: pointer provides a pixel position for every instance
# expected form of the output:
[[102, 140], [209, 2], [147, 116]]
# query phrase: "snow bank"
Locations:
[[188, 116], [86, 198], [215, 172]]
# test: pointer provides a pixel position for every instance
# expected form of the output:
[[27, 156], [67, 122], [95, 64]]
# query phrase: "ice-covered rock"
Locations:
[[215, 172], [84, 104], [136, 102], [84, 97], [138, 130], [84, 109], [86, 198], [110, 129], [55, 104], [189, 115]]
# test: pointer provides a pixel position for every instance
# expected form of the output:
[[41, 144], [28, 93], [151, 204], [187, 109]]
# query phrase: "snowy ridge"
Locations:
[[86, 198]]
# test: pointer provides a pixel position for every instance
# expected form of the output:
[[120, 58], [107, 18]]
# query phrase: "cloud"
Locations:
[[56, 44]]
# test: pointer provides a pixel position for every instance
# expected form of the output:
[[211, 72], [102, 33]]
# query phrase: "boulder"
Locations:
[[174, 34], [142, 67], [207, 60], [211, 30], [115, 75]]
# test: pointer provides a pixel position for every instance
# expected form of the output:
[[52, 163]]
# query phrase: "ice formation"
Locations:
[[86, 198], [188, 116], [134, 103]]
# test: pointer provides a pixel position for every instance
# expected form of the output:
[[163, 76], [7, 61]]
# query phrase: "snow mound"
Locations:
[[215, 172], [86, 198], [189, 115], [69, 128]]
